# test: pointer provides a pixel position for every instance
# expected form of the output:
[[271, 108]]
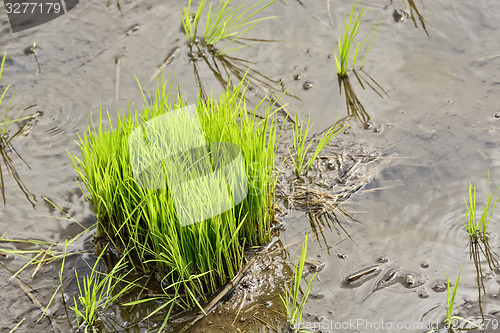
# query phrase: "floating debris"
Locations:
[[358, 278]]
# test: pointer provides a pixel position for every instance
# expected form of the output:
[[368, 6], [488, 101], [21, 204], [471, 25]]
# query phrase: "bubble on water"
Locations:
[[423, 293], [439, 286], [307, 85], [382, 259]]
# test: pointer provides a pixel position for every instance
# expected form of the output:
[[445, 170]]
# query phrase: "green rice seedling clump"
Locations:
[[477, 228], [294, 304], [195, 258], [225, 22], [300, 148], [346, 42]]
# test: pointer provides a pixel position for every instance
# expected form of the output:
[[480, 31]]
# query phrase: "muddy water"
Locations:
[[439, 120]]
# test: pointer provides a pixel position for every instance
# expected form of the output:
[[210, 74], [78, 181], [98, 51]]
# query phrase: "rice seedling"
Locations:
[[33, 50], [452, 321], [346, 42], [97, 292], [224, 22], [450, 299], [60, 287], [478, 229], [355, 108], [63, 298], [36, 257], [294, 304], [300, 149], [478, 240], [142, 211], [42, 252], [6, 148], [3, 126], [225, 25]]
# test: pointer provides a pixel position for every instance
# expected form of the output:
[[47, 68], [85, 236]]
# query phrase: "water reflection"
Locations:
[[6, 149], [477, 250], [355, 109], [327, 219], [225, 67]]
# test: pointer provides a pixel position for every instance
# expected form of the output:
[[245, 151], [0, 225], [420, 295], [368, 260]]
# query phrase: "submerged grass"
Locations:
[[478, 229], [197, 258], [294, 304], [346, 42], [6, 148], [475, 250]]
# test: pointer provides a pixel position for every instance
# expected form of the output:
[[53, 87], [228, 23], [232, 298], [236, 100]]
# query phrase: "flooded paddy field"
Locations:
[[399, 173]]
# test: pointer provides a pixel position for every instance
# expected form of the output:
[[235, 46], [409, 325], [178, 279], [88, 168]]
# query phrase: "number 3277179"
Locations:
[[32, 8]]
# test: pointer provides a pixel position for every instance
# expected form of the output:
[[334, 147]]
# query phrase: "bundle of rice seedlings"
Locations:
[[184, 187]]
